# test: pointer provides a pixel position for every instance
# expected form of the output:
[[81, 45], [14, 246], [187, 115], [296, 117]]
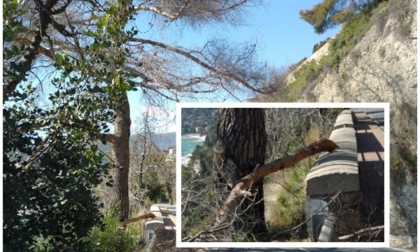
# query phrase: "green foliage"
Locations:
[[193, 219], [12, 25], [194, 117], [204, 154], [319, 45], [42, 244], [50, 195], [303, 75], [330, 13], [51, 164], [154, 183], [348, 37], [51, 161], [156, 191], [318, 16], [340, 47], [195, 222], [290, 208], [243, 237], [110, 237]]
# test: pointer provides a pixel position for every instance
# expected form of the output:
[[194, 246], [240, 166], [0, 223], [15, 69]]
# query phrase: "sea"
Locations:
[[188, 143]]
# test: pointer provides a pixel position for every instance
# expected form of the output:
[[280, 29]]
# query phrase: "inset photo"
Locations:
[[283, 175]]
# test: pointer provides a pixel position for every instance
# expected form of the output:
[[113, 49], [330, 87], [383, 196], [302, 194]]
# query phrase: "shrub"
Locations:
[[109, 237], [290, 204], [319, 45], [308, 72]]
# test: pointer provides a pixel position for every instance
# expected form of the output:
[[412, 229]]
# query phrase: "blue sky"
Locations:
[[282, 38]]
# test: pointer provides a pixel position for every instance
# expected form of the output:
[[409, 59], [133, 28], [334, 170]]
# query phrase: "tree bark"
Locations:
[[121, 154], [240, 147]]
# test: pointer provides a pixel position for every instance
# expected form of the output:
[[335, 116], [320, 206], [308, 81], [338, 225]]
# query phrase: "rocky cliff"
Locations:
[[381, 67]]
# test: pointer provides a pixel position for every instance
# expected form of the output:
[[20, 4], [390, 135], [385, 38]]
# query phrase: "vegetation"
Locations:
[[287, 131], [51, 161], [289, 211], [110, 237], [85, 57], [303, 75], [349, 36], [330, 13], [202, 118], [68, 69], [340, 46], [193, 219], [317, 46]]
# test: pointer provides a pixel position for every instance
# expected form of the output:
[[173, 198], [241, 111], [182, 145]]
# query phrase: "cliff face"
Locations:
[[382, 68]]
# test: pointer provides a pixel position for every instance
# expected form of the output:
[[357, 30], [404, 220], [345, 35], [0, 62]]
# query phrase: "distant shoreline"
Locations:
[[193, 135], [191, 138]]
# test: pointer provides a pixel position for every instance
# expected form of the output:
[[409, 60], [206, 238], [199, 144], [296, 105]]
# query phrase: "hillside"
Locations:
[[195, 120], [161, 141], [373, 59]]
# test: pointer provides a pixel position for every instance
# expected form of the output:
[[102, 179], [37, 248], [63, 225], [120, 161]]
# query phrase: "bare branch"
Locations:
[[198, 61], [159, 11], [196, 12], [361, 232]]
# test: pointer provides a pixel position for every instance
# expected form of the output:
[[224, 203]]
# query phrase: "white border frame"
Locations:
[[385, 244]]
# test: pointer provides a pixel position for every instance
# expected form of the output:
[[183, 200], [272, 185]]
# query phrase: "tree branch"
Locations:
[[361, 232], [198, 61], [157, 10], [138, 218], [247, 182], [109, 138]]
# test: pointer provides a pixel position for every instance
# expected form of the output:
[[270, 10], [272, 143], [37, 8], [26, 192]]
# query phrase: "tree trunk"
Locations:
[[121, 154], [240, 147]]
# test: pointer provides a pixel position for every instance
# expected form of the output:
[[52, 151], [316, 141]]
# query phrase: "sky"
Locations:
[[281, 36]]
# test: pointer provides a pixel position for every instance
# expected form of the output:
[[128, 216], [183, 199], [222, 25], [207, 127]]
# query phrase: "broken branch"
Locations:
[[138, 218], [246, 183]]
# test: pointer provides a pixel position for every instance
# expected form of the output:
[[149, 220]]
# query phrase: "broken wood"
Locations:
[[244, 186], [138, 218], [365, 231]]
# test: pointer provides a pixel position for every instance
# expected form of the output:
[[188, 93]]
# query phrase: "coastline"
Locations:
[[195, 139], [194, 135]]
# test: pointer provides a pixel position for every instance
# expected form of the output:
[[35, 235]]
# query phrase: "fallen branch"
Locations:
[[138, 218], [361, 232], [208, 231], [243, 187]]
